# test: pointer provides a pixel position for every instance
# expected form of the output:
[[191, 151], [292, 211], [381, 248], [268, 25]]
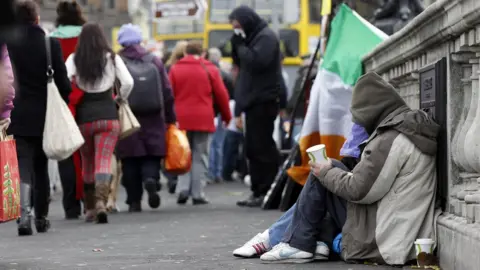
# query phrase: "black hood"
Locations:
[[248, 19]]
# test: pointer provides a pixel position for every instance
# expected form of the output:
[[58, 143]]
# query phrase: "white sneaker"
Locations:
[[322, 251], [284, 253], [255, 247]]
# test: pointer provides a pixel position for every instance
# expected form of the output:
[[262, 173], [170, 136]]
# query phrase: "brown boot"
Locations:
[[102, 188], [90, 199]]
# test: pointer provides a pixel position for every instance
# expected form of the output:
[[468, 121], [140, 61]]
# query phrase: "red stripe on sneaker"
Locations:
[[264, 248], [256, 249]]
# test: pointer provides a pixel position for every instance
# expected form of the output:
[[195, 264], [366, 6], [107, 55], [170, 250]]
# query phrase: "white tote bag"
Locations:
[[61, 135]]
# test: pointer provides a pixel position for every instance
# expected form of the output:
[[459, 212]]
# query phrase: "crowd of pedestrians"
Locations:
[[192, 91], [355, 206]]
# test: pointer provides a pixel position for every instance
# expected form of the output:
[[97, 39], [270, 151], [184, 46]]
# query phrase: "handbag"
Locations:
[[178, 159], [61, 135], [128, 122], [10, 184]]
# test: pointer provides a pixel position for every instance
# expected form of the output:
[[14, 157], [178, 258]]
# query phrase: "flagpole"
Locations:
[[320, 51]]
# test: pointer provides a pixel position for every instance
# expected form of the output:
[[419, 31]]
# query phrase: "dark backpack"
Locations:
[[146, 96]]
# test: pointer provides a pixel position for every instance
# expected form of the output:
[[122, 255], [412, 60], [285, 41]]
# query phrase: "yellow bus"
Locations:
[[174, 30], [297, 23]]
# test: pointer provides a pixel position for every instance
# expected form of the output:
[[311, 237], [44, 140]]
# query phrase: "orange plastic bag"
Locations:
[[10, 183], [179, 155]]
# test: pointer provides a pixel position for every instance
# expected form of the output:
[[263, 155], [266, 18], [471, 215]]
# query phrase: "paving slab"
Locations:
[[172, 237]]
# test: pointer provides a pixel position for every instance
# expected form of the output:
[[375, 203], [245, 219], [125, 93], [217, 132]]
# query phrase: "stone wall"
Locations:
[[451, 29]]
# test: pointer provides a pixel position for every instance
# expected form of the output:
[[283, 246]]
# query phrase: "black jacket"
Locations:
[[258, 58], [29, 61], [227, 81]]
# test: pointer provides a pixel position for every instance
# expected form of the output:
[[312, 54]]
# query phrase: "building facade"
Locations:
[[108, 13]]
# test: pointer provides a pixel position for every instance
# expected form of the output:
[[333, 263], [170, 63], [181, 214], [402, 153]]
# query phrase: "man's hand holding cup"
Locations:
[[318, 159]]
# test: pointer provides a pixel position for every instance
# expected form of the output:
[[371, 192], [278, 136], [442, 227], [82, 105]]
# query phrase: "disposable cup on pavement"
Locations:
[[424, 245], [318, 154]]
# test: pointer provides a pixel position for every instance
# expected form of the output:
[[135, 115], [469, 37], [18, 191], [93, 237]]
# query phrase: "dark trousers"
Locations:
[[137, 170], [261, 150], [33, 168], [171, 178], [313, 204], [68, 178], [233, 157]]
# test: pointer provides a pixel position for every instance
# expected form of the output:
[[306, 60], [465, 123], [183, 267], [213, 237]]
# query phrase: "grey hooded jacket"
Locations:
[[391, 192]]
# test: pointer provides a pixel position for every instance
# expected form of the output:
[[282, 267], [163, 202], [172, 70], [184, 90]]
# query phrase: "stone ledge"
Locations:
[[441, 21], [459, 243]]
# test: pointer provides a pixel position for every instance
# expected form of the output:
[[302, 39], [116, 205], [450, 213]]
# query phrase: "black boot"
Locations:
[[25, 220], [153, 197], [41, 208], [182, 198], [42, 224], [135, 207], [200, 201]]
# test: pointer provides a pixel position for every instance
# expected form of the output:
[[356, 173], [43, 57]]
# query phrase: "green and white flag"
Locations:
[[328, 119]]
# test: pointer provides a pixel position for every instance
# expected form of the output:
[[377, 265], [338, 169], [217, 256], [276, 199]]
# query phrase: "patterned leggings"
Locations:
[[100, 140]]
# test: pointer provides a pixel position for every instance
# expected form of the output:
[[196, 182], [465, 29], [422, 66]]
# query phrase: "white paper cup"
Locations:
[[318, 154], [424, 245]]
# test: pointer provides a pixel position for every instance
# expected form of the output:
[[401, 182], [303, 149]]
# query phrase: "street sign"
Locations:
[[180, 9]]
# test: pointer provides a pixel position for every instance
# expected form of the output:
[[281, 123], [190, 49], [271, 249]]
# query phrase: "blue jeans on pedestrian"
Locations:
[[231, 153], [215, 160], [277, 230]]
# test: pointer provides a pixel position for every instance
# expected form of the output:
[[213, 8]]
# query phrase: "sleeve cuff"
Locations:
[[238, 111]]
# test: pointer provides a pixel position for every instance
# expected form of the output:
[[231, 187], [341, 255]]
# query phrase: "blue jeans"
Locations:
[[277, 230], [215, 159], [232, 154]]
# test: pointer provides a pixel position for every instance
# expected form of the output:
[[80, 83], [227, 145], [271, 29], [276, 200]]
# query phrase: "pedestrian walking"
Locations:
[[215, 161], [258, 92], [29, 58], [177, 54], [95, 68], [69, 24], [197, 85], [151, 101]]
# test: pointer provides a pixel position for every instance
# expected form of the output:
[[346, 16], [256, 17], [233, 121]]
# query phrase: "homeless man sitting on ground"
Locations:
[[389, 196], [271, 237]]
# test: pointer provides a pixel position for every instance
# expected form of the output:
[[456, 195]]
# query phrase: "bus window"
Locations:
[[170, 43], [179, 27], [221, 39], [289, 42], [220, 9], [315, 7]]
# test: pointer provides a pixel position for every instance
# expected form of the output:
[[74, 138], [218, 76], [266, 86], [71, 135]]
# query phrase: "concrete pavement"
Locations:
[[172, 237]]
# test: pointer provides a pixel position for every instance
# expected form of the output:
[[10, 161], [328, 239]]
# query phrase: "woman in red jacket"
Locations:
[[197, 85], [69, 24]]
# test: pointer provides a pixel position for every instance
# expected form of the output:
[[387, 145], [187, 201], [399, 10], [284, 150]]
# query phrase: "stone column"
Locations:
[[472, 199], [471, 137], [457, 193], [457, 147]]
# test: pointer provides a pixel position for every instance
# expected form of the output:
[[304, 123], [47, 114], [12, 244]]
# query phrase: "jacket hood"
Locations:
[[377, 106], [248, 19], [351, 147], [134, 51], [66, 31]]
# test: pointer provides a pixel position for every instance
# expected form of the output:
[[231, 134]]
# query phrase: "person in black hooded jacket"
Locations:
[[259, 90]]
